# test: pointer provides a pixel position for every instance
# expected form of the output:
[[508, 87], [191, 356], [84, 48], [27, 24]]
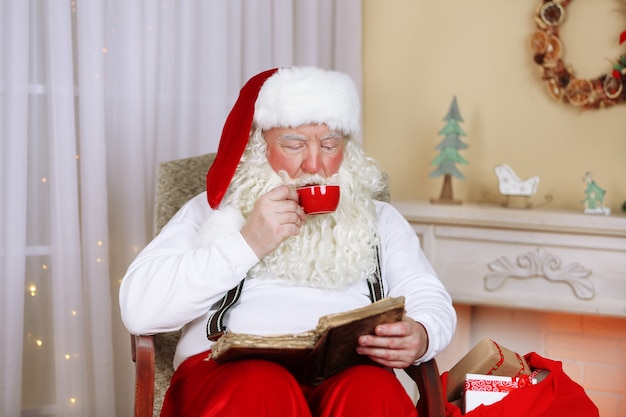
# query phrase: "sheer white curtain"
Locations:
[[56, 313], [93, 94]]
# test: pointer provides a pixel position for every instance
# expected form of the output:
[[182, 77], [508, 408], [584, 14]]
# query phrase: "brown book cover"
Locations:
[[317, 354]]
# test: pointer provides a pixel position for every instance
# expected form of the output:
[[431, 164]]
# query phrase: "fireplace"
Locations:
[[552, 282]]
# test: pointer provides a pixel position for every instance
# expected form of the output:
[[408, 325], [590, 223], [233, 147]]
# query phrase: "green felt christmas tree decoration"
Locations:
[[449, 156]]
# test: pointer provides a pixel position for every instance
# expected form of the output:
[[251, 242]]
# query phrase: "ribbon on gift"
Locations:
[[525, 380], [501, 361]]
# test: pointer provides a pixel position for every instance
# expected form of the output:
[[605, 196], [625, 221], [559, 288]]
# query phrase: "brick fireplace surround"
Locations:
[[551, 282]]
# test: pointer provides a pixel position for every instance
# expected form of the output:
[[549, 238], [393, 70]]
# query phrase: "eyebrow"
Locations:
[[332, 135], [291, 136], [295, 136]]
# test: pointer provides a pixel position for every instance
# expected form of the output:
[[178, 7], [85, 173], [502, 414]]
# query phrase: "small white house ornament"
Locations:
[[509, 184]]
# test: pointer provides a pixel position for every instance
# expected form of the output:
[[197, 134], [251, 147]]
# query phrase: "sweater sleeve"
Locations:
[[177, 278], [407, 272]]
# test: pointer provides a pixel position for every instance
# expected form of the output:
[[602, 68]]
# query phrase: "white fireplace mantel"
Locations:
[[525, 258]]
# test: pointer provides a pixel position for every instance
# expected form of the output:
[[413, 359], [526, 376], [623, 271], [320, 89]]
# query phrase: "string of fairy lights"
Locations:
[[34, 337]]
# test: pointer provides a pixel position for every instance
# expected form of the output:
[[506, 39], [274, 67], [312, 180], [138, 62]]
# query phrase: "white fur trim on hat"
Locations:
[[299, 96]]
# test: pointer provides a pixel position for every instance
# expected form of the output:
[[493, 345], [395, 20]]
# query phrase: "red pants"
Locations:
[[260, 388]]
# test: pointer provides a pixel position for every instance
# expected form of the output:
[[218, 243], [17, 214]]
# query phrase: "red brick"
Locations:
[[603, 377], [584, 348], [562, 322], [605, 326], [609, 405]]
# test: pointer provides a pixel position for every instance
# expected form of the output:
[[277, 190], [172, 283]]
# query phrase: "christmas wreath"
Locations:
[[604, 91]]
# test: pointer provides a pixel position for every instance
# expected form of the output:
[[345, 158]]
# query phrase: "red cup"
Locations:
[[319, 199]]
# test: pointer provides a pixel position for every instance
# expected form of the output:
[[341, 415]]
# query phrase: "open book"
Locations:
[[317, 354]]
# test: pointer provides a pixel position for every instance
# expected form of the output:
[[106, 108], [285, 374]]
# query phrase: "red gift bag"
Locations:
[[556, 396]]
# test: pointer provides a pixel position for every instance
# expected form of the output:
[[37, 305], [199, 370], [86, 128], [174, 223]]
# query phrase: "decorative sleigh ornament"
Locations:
[[516, 190], [509, 184]]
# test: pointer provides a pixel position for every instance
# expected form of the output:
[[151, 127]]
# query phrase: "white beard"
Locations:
[[332, 250]]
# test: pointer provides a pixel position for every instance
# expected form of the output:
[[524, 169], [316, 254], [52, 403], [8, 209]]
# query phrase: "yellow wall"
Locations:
[[418, 54]]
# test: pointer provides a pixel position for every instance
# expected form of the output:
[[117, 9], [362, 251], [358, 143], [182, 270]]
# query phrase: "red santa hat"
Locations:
[[282, 97]]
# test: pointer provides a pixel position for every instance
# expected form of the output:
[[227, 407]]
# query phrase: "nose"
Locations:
[[312, 163]]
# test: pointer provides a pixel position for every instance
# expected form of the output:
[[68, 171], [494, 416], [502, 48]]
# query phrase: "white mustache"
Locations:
[[307, 179]]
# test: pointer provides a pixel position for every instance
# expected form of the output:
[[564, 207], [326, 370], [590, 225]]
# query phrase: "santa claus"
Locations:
[[253, 261]]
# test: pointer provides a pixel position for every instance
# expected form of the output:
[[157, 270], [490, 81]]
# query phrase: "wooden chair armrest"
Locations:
[[142, 349], [432, 400]]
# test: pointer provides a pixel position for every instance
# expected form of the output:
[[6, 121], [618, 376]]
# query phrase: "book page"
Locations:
[[338, 319]]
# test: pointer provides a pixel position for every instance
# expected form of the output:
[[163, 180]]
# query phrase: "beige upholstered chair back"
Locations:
[[177, 182]]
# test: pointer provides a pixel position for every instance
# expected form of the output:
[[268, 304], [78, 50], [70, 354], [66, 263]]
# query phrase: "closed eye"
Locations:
[[293, 146], [331, 145]]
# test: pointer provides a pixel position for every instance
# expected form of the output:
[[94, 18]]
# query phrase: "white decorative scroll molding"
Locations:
[[540, 263]]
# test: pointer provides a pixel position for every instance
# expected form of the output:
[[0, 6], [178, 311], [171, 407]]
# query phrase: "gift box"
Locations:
[[486, 358], [488, 389]]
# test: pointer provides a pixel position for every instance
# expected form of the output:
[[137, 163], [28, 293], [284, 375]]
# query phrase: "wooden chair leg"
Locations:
[[432, 400], [142, 348]]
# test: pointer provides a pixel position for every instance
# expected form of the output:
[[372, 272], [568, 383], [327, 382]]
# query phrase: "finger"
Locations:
[[386, 357], [292, 210], [290, 223], [283, 192], [400, 328], [288, 211], [294, 218]]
